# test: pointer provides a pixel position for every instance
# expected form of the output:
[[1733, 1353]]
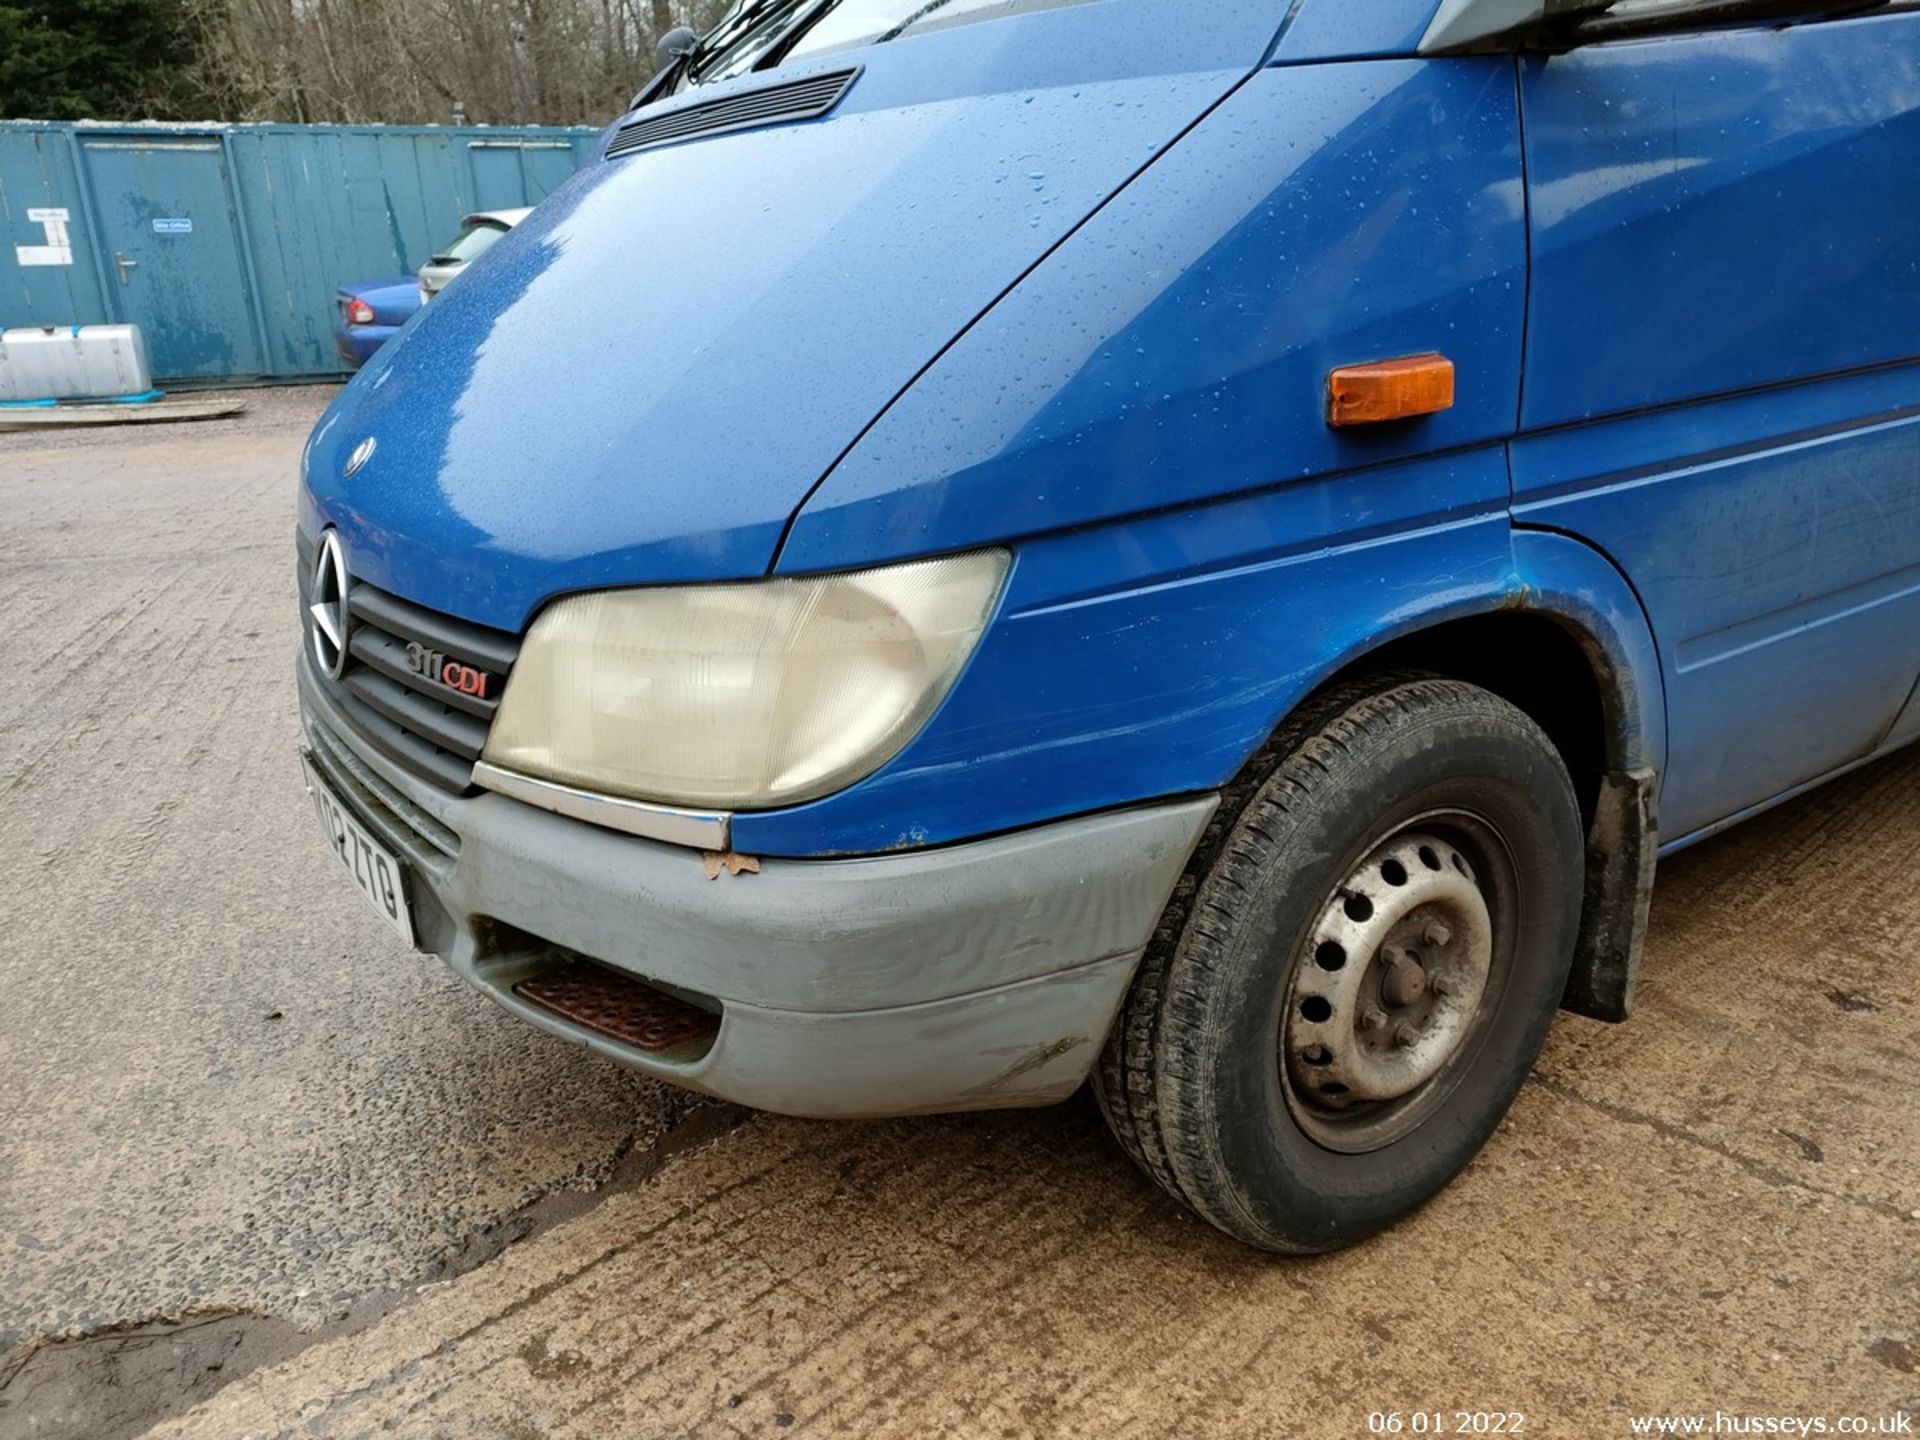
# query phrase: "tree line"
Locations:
[[500, 62]]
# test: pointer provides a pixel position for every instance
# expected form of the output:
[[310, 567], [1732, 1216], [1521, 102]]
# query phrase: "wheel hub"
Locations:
[[1393, 977], [1405, 982]]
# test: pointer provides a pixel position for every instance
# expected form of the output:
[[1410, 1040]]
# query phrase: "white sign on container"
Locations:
[[57, 251]]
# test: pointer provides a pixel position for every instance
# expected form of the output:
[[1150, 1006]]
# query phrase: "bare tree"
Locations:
[[550, 62]]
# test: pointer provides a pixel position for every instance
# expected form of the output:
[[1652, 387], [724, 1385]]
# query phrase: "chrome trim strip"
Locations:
[[702, 830]]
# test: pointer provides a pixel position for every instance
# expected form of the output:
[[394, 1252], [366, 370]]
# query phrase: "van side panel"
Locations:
[[1177, 346], [1775, 541], [1759, 483], [1714, 212]]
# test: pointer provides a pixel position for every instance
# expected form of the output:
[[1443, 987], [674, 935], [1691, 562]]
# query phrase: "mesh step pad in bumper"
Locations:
[[620, 1008]]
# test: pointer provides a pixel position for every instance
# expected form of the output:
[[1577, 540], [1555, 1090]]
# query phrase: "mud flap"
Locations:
[[1622, 847]]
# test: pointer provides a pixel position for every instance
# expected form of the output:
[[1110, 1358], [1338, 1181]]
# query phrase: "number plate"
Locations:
[[374, 870]]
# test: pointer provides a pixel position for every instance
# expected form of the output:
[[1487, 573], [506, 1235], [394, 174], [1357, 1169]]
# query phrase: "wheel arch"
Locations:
[[1567, 642]]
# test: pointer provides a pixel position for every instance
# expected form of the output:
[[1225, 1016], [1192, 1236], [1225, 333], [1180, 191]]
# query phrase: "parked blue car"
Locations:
[[371, 313], [1206, 548]]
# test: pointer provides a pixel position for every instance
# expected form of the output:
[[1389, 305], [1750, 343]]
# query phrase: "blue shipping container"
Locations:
[[224, 243]]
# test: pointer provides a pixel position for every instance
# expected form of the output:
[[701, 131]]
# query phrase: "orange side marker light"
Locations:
[[1389, 390]]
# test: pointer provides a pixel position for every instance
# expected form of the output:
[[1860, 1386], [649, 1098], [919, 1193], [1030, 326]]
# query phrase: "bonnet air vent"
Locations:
[[806, 99]]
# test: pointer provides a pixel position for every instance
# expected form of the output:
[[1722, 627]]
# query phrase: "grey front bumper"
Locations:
[[970, 977]]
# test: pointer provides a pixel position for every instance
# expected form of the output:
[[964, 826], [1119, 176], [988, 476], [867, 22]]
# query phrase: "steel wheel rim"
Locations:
[[1400, 972]]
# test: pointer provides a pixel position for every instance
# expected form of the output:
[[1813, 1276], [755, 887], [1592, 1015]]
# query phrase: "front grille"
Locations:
[[781, 104], [429, 728], [404, 826]]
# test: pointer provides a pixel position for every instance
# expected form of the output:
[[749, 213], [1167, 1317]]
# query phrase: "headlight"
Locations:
[[743, 696]]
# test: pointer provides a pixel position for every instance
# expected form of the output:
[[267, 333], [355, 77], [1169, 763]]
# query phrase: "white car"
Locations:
[[478, 232]]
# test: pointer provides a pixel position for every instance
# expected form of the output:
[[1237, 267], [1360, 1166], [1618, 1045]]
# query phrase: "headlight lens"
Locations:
[[741, 696]]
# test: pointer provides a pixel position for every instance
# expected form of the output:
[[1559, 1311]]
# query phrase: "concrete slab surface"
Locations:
[[67, 414], [1711, 1208], [230, 1102], [227, 1090]]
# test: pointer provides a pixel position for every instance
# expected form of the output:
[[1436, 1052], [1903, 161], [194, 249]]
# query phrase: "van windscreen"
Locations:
[[760, 34]]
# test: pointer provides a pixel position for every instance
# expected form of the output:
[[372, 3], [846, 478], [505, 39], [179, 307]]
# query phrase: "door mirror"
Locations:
[[675, 46]]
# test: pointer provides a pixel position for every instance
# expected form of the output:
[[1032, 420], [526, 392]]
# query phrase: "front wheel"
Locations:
[[1359, 970]]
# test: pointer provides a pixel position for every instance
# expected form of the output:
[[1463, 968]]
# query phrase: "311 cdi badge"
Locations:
[[444, 670]]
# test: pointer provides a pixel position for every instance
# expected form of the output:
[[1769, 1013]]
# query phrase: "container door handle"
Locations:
[[122, 264]]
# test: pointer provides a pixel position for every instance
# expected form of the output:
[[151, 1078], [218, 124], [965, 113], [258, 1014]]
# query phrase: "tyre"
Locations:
[[1357, 972]]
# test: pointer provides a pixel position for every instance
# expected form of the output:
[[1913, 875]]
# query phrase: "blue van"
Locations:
[[1204, 548]]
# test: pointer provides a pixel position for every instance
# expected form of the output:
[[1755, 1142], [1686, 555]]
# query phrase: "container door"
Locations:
[[1722, 385], [174, 261], [508, 174]]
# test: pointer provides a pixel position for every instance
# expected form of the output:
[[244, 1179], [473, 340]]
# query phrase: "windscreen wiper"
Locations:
[[681, 48], [914, 19], [803, 22]]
